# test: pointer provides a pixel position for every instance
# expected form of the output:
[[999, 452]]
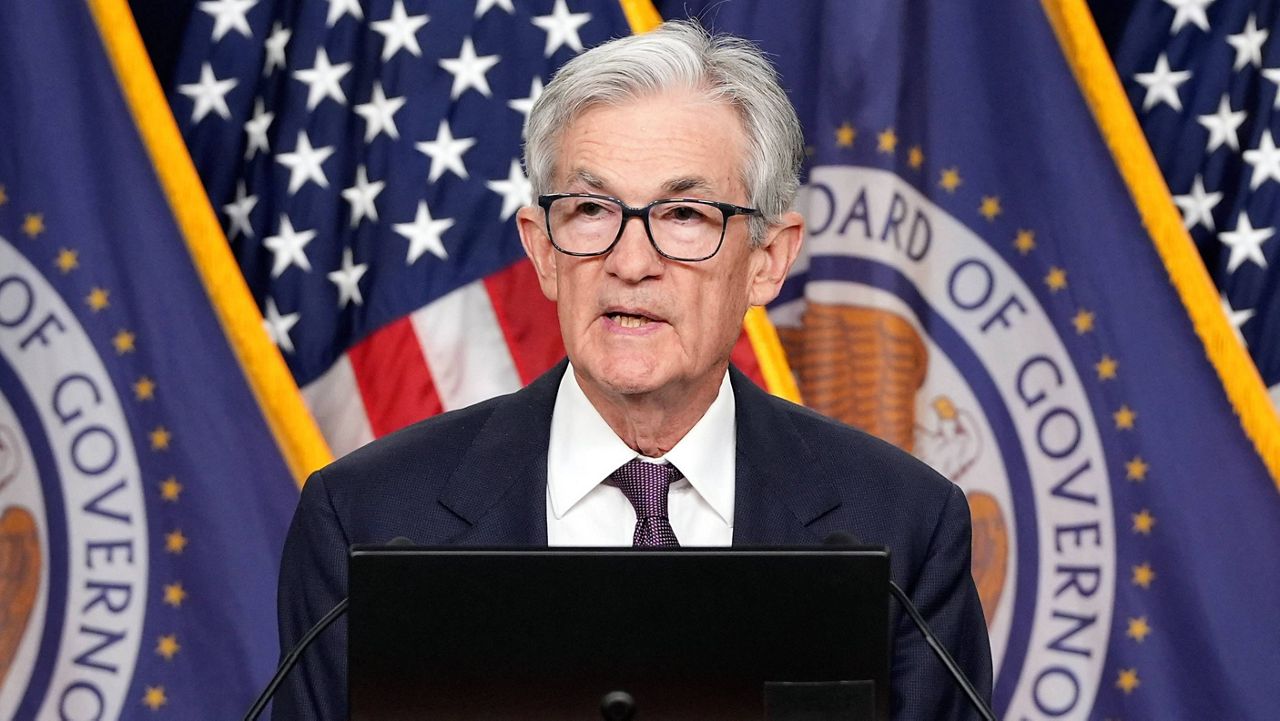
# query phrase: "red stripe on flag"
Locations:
[[393, 377], [527, 318], [744, 356]]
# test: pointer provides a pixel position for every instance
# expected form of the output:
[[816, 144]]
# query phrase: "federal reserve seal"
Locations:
[[913, 327], [73, 535]]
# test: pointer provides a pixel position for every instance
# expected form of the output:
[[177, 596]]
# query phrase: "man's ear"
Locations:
[[537, 245], [772, 261]]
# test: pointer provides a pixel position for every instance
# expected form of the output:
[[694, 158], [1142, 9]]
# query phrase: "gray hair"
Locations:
[[680, 55]]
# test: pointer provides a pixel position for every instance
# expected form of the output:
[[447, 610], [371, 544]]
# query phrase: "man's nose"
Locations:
[[634, 258]]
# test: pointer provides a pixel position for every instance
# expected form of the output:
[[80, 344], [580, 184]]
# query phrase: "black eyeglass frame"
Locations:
[[728, 209]]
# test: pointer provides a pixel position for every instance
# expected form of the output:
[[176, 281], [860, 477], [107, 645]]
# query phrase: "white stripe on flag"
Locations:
[[334, 400], [464, 347]]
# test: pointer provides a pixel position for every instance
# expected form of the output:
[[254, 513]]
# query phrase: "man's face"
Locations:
[[634, 322]]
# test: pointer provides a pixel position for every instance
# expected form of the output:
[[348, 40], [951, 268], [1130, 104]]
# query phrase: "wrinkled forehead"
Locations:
[[694, 139]]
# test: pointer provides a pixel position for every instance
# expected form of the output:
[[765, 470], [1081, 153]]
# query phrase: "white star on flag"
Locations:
[[256, 128], [1245, 243], [1237, 318], [1162, 84], [1265, 160], [347, 278], [483, 6], [524, 105], [1197, 205], [238, 212], [379, 114], [1248, 44], [1223, 126], [469, 70], [275, 45], [514, 190], [424, 234], [288, 247], [1273, 74], [209, 94], [561, 27], [278, 326], [400, 31], [323, 80], [229, 15], [339, 8], [304, 163], [445, 153], [1189, 11], [361, 197]]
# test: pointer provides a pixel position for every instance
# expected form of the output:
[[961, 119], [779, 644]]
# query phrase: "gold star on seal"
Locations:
[[1143, 522], [1025, 241], [1138, 629], [1136, 470], [1143, 575], [170, 489], [1124, 418], [845, 135], [4, 196], [160, 438], [990, 207], [123, 341], [154, 698], [67, 260], [144, 389], [915, 157], [1056, 279], [1128, 680], [1083, 321], [174, 594], [1106, 368], [33, 224], [98, 299], [168, 646], [950, 180], [886, 141], [175, 542]]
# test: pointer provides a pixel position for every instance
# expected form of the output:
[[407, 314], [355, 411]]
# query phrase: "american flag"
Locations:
[[365, 158], [1204, 78]]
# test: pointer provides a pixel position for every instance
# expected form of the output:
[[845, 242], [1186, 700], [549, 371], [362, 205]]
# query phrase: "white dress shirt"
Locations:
[[582, 510]]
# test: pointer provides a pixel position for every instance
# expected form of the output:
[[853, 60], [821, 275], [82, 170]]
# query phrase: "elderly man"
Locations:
[[665, 166]]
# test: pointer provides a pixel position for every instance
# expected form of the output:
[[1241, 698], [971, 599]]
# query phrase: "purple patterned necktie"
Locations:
[[645, 485]]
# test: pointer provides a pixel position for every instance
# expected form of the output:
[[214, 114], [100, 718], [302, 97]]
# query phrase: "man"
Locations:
[[664, 166]]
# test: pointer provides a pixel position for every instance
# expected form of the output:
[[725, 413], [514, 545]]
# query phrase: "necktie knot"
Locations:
[[645, 486]]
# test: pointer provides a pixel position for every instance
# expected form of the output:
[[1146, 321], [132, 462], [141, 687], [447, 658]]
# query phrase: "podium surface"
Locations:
[[547, 633]]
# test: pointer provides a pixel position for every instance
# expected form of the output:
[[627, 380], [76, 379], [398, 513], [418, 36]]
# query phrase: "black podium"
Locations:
[[774, 634]]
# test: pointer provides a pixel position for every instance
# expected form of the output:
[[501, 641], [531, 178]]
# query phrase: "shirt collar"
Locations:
[[584, 450]]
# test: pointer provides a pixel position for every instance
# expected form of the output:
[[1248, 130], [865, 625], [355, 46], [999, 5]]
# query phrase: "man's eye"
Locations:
[[684, 213], [591, 209]]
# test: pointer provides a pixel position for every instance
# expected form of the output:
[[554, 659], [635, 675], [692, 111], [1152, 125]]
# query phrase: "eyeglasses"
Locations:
[[681, 229]]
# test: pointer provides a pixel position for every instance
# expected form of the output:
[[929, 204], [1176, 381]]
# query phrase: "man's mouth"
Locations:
[[628, 320]]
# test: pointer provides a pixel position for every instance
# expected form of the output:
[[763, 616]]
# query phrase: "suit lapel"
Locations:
[[781, 485], [499, 487]]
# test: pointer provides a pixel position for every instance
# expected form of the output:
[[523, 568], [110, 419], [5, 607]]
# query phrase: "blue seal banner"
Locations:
[[144, 493], [996, 278]]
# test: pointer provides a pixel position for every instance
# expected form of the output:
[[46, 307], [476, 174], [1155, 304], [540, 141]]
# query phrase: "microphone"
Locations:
[[291, 659], [840, 538]]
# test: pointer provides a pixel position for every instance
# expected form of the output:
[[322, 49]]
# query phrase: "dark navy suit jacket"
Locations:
[[478, 477]]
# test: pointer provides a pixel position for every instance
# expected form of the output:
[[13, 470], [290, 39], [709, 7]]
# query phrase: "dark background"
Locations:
[[163, 24]]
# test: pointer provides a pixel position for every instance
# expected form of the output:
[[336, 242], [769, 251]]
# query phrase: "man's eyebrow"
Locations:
[[679, 186], [586, 178]]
